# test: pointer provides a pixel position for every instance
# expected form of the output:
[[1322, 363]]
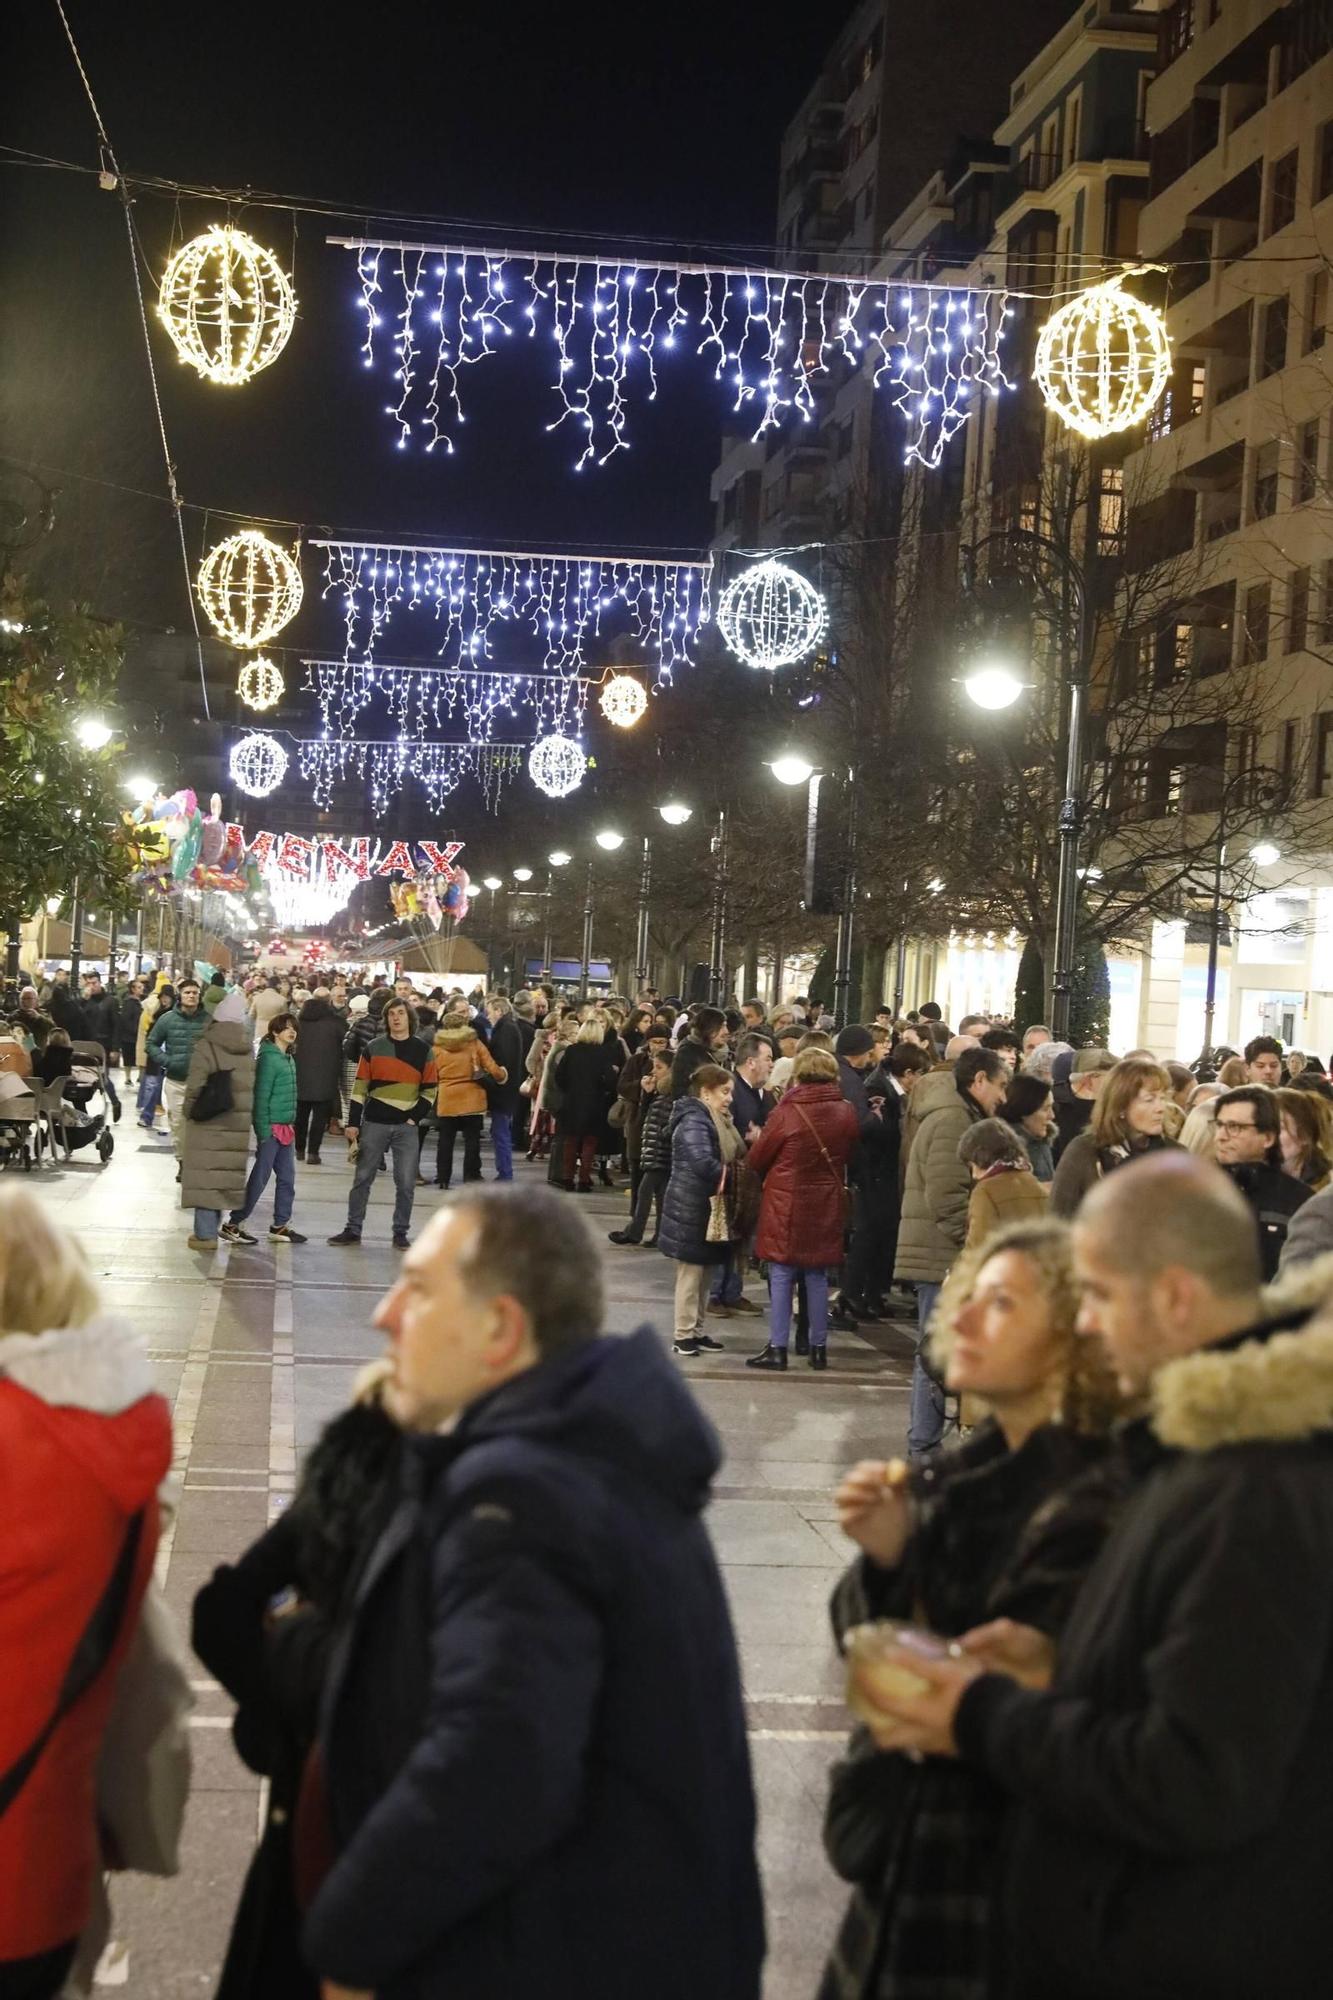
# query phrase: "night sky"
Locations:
[[662, 121]]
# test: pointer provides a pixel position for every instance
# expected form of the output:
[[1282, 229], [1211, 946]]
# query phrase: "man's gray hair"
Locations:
[[499, 1002], [535, 1246]]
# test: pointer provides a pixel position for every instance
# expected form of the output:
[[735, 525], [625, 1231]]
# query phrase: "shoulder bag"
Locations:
[[213, 1097], [848, 1199]]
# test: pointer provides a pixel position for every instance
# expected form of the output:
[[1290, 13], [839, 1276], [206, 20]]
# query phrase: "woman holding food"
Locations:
[[1003, 1528]]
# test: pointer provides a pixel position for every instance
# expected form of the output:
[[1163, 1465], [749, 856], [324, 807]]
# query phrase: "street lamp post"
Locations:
[[559, 859], [587, 936], [75, 938], [641, 934], [717, 950]]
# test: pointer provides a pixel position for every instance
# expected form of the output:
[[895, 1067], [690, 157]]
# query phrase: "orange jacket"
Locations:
[[459, 1054]]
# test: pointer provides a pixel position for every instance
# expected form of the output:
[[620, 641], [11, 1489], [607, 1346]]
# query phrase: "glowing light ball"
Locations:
[[250, 589], [261, 684], [227, 304], [771, 617], [258, 764], [1103, 360], [623, 701], [556, 765]]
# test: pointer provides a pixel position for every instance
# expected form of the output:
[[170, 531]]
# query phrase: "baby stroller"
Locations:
[[80, 1115], [18, 1121]]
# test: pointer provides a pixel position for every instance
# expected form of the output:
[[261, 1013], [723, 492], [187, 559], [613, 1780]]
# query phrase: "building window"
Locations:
[[1306, 476], [1110, 510], [1323, 757], [1272, 339], [867, 201], [1286, 760], [1323, 178], [1265, 482], [1326, 613], [1316, 312], [1073, 120], [869, 57], [1255, 604], [1298, 610], [1282, 192]]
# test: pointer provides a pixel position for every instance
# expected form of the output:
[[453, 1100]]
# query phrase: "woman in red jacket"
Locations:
[[802, 1156], [85, 1443]]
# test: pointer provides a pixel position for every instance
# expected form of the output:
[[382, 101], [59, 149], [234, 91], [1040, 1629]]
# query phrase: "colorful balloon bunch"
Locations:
[[176, 846], [431, 898]]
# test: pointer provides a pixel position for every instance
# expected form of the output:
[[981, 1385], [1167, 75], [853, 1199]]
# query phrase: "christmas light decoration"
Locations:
[[556, 765], [560, 600], [623, 701], [261, 684], [385, 767], [430, 701], [250, 589], [227, 304], [1104, 359], [359, 856], [258, 764], [771, 617], [432, 310], [314, 897]]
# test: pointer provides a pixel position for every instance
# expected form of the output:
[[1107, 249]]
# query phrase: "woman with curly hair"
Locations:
[[1005, 1527]]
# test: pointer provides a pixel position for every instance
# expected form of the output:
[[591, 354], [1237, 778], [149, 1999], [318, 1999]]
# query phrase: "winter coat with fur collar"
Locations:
[[85, 1443], [1176, 1816]]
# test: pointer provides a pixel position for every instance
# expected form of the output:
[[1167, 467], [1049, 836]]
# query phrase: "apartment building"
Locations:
[[1236, 467]]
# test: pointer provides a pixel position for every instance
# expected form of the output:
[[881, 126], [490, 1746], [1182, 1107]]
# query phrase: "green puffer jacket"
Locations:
[[215, 1154], [172, 1041], [275, 1089], [934, 1213]]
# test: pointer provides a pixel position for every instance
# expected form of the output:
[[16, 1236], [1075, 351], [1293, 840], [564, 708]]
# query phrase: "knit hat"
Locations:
[[358, 1004], [854, 1041]]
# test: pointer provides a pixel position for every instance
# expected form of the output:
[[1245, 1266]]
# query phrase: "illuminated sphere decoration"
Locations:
[[623, 701], [258, 764], [771, 617], [227, 304], [261, 684], [250, 588], [1103, 360], [556, 765]]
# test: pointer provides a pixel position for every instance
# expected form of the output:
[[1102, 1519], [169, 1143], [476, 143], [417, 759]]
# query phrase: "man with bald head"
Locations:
[[533, 1732], [1170, 1768]]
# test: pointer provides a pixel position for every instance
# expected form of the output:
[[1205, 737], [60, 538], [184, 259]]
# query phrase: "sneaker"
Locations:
[[202, 1242], [716, 1309], [345, 1236], [706, 1340], [401, 1240], [620, 1236], [689, 1347], [745, 1306], [235, 1234], [285, 1234]]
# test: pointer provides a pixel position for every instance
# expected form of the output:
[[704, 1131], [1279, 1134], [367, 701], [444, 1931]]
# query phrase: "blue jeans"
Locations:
[[782, 1280], [728, 1281], [150, 1093], [404, 1142], [925, 1422], [206, 1224], [502, 1139], [273, 1158]]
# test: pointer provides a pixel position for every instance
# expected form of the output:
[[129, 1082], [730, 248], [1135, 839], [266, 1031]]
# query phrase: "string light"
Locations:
[[261, 684], [771, 617], [227, 304], [250, 589], [623, 701], [258, 764], [1104, 359], [556, 765], [300, 901], [561, 601], [615, 325], [439, 768], [426, 701]]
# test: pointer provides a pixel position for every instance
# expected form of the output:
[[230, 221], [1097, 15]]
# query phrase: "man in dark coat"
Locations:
[[1174, 1813], [101, 1017], [319, 1068], [1249, 1146], [538, 1783], [508, 1048], [855, 1049]]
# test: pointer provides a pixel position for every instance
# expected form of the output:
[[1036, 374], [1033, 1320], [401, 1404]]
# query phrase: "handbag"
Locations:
[[848, 1198], [617, 1115], [213, 1097], [95, 1646], [742, 1194], [719, 1225]]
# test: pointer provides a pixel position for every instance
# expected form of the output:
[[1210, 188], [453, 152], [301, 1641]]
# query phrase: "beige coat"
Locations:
[[214, 1164]]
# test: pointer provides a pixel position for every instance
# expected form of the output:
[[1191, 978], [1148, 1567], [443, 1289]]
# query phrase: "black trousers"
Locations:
[[470, 1127], [39, 1978], [312, 1120], [868, 1271], [651, 1188]]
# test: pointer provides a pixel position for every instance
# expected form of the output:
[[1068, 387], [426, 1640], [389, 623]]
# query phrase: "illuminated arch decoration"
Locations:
[[771, 617], [250, 589], [227, 304], [1103, 360]]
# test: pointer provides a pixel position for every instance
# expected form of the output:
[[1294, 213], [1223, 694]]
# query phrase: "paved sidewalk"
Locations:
[[257, 1348]]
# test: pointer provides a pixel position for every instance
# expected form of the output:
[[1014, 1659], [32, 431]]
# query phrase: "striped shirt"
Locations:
[[395, 1083]]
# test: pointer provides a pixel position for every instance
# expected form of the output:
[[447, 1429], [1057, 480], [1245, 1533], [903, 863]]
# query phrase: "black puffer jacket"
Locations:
[[319, 1052], [655, 1134]]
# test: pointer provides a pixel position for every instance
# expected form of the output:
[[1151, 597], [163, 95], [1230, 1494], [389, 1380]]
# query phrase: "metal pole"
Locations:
[[641, 940], [717, 945], [138, 942], [842, 956], [779, 959], [587, 935], [13, 947], [75, 939], [811, 835], [899, 976], [546, 939], [1078, 668], [1214, 938]]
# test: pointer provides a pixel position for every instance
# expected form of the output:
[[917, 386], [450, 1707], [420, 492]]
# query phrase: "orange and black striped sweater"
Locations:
[[395, 1083]]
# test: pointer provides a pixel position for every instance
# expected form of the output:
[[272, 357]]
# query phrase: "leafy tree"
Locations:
[[1090, 1001], [60, 816], [1030, 992]]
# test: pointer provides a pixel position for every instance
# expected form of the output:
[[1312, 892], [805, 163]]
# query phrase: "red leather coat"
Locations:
[[84, 1444], [801, 1215]]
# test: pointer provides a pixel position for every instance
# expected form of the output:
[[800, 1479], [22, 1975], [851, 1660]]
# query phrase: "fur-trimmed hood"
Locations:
[[101, 1366], [1277, 1389], [90, 1392], [459, 1035]]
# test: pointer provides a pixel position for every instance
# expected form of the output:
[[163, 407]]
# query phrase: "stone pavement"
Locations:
[[257, 1348]]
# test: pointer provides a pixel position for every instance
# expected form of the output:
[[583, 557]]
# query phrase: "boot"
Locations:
[[841, 1318], [819, 1356], [770, 1358]]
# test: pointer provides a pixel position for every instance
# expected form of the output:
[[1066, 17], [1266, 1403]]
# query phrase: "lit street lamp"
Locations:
[[993, 686], [93, 733], [610, 840]]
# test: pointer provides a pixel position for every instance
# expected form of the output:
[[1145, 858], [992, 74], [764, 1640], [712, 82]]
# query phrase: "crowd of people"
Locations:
[[1086, 1641]]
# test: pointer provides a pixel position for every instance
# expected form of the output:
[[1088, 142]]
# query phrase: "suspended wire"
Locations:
[[110, 165]]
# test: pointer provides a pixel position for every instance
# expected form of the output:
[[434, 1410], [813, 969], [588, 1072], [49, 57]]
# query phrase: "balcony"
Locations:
[[1306, 37], [1176, 29], [1035, 171]]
